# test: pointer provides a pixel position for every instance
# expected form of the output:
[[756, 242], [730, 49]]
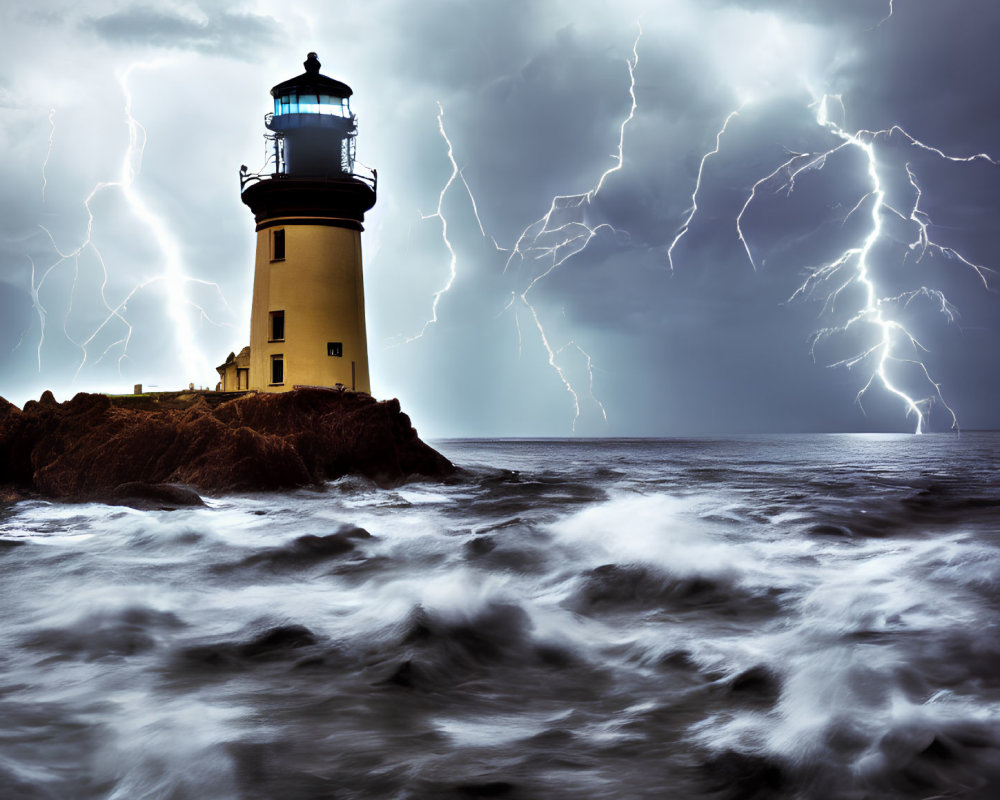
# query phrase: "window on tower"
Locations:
[[277, 370], [277, 326], [335, 349], [328, 104], [278, 244]]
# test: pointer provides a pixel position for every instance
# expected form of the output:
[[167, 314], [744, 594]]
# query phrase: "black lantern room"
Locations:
[[312, 135], [313, 125]]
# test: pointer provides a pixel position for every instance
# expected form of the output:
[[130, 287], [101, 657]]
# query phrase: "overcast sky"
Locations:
[[152, 284]]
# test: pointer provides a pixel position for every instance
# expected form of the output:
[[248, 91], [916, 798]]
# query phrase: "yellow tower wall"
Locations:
[[319, 286]]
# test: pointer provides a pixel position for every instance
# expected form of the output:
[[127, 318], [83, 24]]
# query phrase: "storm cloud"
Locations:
[[232, 34], [532, 99]]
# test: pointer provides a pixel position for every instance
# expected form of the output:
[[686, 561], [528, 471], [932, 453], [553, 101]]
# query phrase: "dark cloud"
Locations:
[[456, 45], [846, 13], [718, 344], [223, 33], [533, 97], [933, 71]]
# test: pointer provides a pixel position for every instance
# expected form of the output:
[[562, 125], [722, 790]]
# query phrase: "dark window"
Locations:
[[335, 349], [277, 326], [277, 369], [278, 245]]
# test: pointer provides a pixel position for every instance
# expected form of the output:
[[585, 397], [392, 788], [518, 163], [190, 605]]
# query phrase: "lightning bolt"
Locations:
[[554, 238], [630, 64], [891, 346], [456, 174], [558, 241], [693, 209], [39, 309], [72, 256], [48, 152], [887, 17], [856, 262], [545, 238], [172, 275]]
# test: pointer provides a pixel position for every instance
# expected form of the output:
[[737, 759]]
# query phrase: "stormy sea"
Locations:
[[756, 617]]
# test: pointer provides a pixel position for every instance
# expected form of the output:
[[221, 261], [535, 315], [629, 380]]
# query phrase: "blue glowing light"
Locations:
[[312, 104]]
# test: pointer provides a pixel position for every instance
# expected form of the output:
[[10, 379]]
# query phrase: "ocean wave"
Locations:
[[764, 617]]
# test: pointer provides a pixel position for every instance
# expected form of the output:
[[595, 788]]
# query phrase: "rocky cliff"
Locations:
[[91, 446]]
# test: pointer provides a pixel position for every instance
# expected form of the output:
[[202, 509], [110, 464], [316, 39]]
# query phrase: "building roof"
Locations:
[[241, 361], [311, 82]]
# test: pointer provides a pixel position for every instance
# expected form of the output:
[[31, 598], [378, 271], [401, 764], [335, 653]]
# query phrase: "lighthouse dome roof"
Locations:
[[311, 82]]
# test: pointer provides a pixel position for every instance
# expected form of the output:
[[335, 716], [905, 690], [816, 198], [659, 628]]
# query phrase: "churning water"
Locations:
[[808, 616]]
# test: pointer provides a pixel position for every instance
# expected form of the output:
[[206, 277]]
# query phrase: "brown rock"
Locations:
[[145, 496], [88, 446]]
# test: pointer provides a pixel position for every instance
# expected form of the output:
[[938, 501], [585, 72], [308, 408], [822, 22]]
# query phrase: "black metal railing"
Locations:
[[366, 175]]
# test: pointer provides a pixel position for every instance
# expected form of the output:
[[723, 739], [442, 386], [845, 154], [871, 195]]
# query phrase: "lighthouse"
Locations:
[[307, 322]]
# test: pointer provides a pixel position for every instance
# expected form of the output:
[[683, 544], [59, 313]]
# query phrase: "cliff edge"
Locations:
[[88, 447]]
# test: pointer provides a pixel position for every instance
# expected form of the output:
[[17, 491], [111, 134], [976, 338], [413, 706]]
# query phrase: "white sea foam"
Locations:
[[699, 600]]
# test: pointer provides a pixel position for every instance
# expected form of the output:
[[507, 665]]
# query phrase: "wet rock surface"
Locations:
[[133, 451]]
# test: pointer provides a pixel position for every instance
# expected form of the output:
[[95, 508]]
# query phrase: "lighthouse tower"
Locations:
[[307, 324]]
